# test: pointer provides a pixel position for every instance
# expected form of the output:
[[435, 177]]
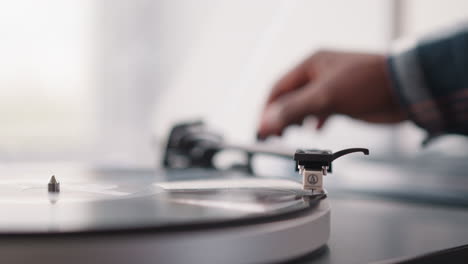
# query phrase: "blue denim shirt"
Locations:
[[431, 81]]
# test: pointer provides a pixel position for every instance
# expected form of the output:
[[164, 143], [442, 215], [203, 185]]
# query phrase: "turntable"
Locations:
[[188, 212]]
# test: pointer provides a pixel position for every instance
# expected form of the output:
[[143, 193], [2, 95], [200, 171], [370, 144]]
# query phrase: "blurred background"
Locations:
[[103, 81]]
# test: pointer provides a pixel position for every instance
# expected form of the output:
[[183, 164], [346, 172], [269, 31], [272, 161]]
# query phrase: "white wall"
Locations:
[[93, 80], [424, 16], [45, 79]]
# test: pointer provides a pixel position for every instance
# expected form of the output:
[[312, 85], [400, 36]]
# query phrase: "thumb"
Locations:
[[292, 108]]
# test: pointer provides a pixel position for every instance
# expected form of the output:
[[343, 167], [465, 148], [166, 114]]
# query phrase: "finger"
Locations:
[[294, 79], [292, 108], [321, 120]]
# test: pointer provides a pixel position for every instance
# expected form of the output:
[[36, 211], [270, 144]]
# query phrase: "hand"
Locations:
[[327, 83]]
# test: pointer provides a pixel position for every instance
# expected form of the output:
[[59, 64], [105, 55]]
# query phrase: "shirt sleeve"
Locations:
[[431, 82]]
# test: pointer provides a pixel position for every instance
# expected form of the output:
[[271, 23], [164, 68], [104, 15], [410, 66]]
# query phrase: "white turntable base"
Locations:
[[258, 243]]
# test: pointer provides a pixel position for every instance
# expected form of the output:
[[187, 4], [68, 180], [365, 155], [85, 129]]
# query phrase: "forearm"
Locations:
[[431, 82]]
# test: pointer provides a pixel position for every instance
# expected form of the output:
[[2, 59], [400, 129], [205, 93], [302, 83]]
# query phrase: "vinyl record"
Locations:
[[101, 205]]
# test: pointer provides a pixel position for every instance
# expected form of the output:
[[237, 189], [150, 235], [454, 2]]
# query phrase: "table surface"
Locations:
[[368, 229], [381, 211]]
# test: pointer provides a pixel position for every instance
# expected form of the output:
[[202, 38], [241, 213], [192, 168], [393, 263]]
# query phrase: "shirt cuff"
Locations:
[[412, 91]]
